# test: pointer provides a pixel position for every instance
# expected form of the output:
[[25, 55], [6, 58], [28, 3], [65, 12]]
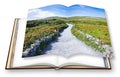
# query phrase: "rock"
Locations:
[[25, 53], [108, 50], [32, 45]]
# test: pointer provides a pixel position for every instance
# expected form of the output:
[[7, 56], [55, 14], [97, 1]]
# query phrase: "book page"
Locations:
[[18, 60], [82, 60], [67, 30]]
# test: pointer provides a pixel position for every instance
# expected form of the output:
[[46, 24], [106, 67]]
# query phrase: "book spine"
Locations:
[[12, 45]]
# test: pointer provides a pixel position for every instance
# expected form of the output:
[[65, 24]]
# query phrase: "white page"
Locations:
[[18, 60], [82, 59]]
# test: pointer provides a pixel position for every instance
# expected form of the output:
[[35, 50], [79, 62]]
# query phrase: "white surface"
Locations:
[[81, 59], [10, 9]]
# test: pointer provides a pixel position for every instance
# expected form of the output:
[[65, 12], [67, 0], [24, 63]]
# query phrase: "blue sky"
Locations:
[[64, 11]]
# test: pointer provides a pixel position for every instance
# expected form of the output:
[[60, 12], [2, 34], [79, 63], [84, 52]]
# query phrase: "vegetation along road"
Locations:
[[53, 35]]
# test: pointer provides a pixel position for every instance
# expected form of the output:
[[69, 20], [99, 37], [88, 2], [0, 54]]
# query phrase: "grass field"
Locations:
[[96, 27], [37, 29], [98, 31]]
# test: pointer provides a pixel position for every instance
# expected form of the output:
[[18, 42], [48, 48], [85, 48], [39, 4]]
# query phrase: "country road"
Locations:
[[68, 45]]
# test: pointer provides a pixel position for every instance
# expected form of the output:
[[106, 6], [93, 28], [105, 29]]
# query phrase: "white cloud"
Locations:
[[38, 14], [82, 6]]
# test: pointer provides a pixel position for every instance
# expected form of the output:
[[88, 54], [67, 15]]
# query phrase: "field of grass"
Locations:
[[98, 31], [37, 29], [95, 27]]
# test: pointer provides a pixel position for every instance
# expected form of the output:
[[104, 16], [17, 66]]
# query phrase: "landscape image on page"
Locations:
[[66, 31]]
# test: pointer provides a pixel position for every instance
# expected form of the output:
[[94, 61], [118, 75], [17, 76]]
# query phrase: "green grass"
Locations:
[[96, 27], [98, 31], [37, 29], [85, 40]]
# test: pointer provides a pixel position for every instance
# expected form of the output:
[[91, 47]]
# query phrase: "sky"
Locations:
[[64, 11]]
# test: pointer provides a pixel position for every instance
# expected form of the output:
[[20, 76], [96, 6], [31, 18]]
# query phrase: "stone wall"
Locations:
[[31, 51], [107, 50]]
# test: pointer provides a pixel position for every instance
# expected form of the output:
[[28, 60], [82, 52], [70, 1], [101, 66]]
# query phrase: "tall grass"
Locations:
[[37, 29], [96, 28]]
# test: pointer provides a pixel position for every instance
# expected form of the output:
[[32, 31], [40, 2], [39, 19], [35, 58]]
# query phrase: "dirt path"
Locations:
[[68, 45]]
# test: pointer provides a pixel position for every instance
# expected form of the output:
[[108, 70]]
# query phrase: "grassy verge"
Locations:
[[86, 41], [97, 28], [98, 31], [38, 29]]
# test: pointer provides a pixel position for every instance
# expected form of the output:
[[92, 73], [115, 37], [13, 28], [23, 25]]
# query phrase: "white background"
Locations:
[[10, 9]]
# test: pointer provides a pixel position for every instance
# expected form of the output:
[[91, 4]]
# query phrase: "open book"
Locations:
[[57, 36]]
